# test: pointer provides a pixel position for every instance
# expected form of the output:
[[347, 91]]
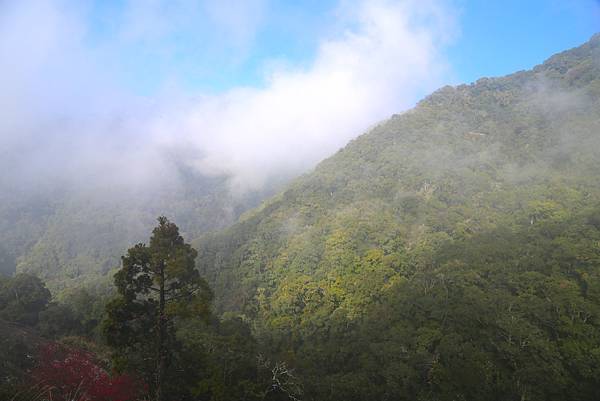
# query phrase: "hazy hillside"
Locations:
[[461, 236], [69, 234]]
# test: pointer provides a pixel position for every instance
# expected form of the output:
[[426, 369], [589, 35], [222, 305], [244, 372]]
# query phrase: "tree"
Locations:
[[58, 320], [65, 374], [157, 284], [22, 298]]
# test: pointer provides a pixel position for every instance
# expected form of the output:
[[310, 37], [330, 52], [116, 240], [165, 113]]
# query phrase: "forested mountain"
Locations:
[[451, 253], [70, 235]]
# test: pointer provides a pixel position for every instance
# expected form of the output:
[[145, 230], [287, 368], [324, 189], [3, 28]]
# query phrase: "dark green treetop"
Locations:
[[157, 285], [22, 298]]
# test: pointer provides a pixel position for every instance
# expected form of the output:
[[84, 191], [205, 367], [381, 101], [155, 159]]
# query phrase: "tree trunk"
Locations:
[[160, 371]]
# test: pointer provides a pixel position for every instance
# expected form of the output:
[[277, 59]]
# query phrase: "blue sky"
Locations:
[[500, 37], [492, 38], [209, 55]]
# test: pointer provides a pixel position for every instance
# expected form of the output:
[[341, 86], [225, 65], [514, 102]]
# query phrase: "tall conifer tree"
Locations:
[[156, 284]]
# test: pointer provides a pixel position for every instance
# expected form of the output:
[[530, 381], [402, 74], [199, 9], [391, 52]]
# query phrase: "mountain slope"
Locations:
[[399, 263], [464, 160]]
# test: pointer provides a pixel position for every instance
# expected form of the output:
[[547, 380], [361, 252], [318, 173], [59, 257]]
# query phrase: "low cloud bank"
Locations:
[[65, 115]]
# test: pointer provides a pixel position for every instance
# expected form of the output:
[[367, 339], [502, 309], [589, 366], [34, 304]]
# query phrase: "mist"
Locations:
[[67, 116]]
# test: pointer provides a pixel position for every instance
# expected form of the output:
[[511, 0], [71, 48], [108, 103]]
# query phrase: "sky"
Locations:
[[220, 50], [500, 37], [115, 91]]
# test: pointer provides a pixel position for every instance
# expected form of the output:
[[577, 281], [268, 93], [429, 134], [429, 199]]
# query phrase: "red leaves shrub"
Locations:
[[65, 374]]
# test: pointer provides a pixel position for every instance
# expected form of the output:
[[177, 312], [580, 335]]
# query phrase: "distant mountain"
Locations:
[[69, 236], [452, 252]]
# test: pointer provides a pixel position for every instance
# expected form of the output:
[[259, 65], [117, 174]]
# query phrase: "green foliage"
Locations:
[[18, 345], [224, 354], [501, 315], [22, 298], [58, 320]]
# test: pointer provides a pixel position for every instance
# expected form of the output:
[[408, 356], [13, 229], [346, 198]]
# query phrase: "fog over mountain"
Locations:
[[338, 220], [88, 160], [67, 116], [451, 252]]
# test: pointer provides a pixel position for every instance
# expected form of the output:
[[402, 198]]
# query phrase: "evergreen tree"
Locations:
[[157, 284], [22, 298]]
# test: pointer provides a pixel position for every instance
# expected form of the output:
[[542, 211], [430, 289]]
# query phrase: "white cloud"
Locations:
[[63, 112], [379, 64]]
